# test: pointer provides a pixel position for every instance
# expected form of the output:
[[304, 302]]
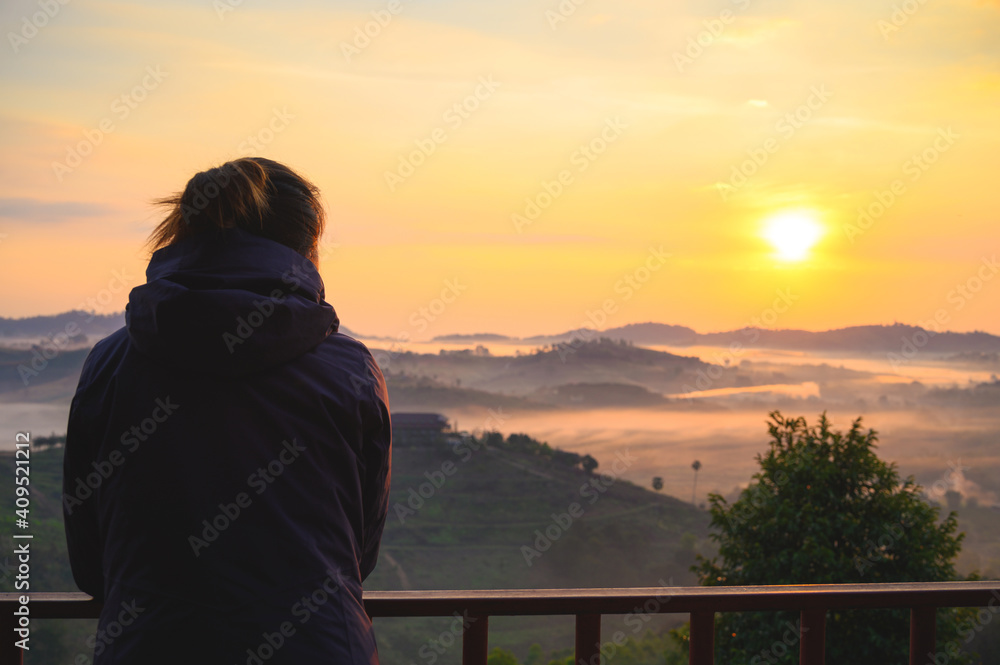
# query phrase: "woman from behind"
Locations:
[[227, 456]]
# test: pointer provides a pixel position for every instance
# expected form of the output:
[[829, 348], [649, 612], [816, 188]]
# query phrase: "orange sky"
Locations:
[[656, 139]]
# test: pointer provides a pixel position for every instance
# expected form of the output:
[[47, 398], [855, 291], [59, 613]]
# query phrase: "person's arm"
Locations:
[[88, 415], [377, 451]]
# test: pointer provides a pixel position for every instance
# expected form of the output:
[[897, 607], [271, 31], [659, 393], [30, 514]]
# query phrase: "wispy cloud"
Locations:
[[25, 209]]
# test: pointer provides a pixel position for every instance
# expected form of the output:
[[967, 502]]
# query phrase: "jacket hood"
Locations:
[[228, 303]]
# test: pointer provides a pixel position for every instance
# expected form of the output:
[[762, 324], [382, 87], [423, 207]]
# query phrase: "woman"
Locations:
[[227, 458]]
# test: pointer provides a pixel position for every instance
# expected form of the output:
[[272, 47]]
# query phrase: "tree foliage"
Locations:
[[825, 509], [666, 648], [501, 657]]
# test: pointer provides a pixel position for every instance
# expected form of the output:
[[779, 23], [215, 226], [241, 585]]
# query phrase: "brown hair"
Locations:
[[255, 194]]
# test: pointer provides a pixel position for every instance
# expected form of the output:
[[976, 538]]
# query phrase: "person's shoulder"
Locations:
[[346, 344], [352, 355], [112, 346], [105, 356]]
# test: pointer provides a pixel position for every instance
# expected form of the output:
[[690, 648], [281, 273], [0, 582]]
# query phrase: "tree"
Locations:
[[825, 509], [696, 466], [493, 439], [588, 463], [501, 657], [657, 483], [535, 655]]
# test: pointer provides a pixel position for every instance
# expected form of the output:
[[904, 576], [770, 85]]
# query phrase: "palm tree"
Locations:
[[695, 466]]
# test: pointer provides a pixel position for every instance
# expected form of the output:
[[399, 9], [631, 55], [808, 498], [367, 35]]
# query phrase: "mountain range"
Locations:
[[869, 339], [866, 339]]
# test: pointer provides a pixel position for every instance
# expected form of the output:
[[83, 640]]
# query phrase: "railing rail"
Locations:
[[588, 605]]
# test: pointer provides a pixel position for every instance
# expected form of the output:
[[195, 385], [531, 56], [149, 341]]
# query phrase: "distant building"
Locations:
[[416, 428]]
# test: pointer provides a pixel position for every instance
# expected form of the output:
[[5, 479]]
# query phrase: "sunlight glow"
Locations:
[[793, 234]]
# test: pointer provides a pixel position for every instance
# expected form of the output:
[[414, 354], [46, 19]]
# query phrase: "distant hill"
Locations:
[[420, 392], [416, 393], [28, 376], [599, 395], [94, 326], [871, 339], [596, 362], [475, 337], [980, 395], [637, 333], [864, 339], [977, 360], [41, 356]]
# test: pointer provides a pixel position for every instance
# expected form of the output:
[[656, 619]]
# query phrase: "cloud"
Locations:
[[35, 210]]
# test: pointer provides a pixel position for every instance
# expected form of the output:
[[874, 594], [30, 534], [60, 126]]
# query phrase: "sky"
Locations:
[[527, 167]]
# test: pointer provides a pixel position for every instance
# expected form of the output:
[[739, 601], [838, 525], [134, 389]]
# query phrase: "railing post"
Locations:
[[702, 638], [9, 652], [812, 636], [475, 640], [588, 639], [923, 634]]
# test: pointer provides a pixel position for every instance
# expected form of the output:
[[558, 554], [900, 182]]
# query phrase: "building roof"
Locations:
[[434, 421]]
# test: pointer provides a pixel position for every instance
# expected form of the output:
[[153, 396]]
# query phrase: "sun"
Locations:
[[793, 233]]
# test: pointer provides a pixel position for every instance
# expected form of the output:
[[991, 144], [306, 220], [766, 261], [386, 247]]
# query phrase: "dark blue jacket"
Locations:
[[227, 462]]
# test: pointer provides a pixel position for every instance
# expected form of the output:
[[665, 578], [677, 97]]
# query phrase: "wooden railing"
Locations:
[[588, 605]]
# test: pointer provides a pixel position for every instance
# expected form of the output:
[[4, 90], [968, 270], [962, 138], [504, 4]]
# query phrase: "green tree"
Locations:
[[492, 438], [696, 465], [535, 655], [650, 649], [825, 509], [501, 657]]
